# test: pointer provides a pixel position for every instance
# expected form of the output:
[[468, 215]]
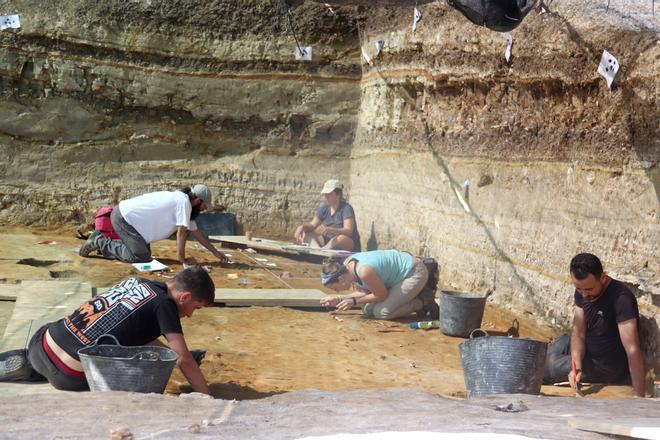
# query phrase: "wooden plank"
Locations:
[[40, 302], [645, 428], [280, 246], [269, 297]]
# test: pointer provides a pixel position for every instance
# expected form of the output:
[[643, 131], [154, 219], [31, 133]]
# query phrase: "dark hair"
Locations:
[[197, 281], [339, 192], [584, 264], [196, 210], [188, 192], [331, 271]]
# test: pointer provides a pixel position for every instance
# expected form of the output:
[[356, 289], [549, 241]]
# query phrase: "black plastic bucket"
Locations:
[[142, 369], [502, 365], [460, 313]]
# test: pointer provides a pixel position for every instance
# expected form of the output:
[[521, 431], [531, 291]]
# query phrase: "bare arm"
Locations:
[[630, 340], [181, 233], [187, 363], [346, 229], [578, 346], [375, 292], [306, 227], [201, 237]]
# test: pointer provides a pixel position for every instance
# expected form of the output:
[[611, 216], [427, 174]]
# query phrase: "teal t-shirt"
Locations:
[[391, 266]]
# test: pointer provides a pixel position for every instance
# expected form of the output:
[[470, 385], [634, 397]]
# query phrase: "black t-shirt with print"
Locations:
[[617, 304], [136, 311]]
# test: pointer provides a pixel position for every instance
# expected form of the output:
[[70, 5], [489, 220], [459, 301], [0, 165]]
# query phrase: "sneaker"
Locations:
[[90, 245], [14, 366], [430, 309]]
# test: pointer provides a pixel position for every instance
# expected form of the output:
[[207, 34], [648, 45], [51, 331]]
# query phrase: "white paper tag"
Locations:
[[509, 47], [417, 15], [303, 53], [379, 46], [608, 67], [9, 21]]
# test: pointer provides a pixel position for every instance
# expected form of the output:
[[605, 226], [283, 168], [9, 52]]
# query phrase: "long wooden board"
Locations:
[[40, 302], [646, 428], [269, 297], [305, 298], [279, 246]]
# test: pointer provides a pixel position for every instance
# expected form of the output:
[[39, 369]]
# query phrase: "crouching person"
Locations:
[[389, 284], [136, 312]]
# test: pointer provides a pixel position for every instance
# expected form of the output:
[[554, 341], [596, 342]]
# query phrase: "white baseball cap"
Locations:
[[203, 192], [331, 185]]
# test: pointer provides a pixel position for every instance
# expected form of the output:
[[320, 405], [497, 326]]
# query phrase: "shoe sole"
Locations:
[[14, 366], [89, 246]]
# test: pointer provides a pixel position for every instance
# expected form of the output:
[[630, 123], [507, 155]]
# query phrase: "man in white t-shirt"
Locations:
[[151, 217]]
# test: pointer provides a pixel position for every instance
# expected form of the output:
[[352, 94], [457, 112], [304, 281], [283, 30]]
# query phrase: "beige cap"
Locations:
[[331, 185], [203, 192]]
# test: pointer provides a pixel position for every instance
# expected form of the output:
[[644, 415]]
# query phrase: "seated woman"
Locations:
[[390, 284], [333, 226]]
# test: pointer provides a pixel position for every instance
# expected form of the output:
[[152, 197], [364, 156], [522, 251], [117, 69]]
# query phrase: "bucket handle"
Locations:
[[485, 333], [106, 335], [116, 341]]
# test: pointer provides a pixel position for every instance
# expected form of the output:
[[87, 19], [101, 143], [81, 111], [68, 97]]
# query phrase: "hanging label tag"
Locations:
[[509, 47], [417, 15], [303, 53], [608, 67], [9, 21], [379, 46]]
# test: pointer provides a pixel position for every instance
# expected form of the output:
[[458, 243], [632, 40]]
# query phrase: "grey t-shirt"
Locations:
[[344, 211]]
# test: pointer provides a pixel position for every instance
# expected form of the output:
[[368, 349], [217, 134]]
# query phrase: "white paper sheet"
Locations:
[[509, 47], [608, 67], [303, 53], [153, 265], [417, 15], [379, 46], [9, 21]]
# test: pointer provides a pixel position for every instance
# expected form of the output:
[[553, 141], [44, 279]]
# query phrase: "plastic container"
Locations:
[[142, 369], [424, 325], [461, 313], [502, 365]]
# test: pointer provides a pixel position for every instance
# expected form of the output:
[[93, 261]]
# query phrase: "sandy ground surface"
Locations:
[[255, 352]]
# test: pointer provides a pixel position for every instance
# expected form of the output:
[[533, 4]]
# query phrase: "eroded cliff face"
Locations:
[[507, 170], [106, 100], [502, 171]]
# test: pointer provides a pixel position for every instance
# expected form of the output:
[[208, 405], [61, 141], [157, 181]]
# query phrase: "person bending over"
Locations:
[[604, 342], [151, 217], [333, 226], [389, 284], [136, 311]]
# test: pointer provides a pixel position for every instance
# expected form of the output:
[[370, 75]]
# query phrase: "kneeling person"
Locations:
[[136, 311], [390, 284]]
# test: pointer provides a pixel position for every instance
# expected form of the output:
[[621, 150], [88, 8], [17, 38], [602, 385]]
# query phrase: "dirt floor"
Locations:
[[255, 352]]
